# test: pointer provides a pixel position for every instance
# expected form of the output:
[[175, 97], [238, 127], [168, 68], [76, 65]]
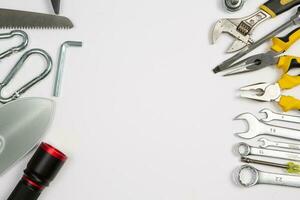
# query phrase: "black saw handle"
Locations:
[[276, 7]]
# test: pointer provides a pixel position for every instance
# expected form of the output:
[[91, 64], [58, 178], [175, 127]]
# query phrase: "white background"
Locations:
[[141, 115]]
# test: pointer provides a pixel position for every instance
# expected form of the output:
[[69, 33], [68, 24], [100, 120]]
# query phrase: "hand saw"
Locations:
[[17, 19]]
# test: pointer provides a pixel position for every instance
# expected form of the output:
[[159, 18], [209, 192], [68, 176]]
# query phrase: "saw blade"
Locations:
[[31, 20]]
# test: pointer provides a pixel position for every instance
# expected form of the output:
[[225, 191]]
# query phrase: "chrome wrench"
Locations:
[[257, 128], [260, 177], [269, 143], [272, 116], [247, 150]]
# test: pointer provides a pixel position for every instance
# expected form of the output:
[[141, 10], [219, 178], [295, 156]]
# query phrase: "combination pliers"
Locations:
[[273, 92], [272, 57]]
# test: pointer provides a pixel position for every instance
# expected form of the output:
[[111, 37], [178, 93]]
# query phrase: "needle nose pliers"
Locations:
[[273, 92], [272, 57]]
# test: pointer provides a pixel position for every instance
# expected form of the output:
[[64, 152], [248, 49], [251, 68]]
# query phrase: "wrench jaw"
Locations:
[[254, 126], [265, 143], [240, 28], [238, 45], [229, 27], [248, 176], [269, 115]]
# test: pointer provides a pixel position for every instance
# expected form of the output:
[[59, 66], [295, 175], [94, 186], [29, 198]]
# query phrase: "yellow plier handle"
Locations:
[[288, 103], [286, 63], [281, 44]]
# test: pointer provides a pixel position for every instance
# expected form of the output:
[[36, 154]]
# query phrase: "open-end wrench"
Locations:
[[259, 177], [272, 116], [256, 128], [227, 64], [247, 150], [265, 143]]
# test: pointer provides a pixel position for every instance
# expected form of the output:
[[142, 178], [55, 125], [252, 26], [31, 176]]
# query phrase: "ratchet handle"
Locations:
[[276, 7], [288, 103], [288, 62], [281, 44]]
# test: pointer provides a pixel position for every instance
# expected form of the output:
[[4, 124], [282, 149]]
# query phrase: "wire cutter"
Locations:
[[272, 57], [266, 92]]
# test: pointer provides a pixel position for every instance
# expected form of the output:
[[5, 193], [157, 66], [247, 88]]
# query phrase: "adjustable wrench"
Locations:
[[256, 128], [269, 143], [272, 116], [259, 177], [242, 28], [247, 150]]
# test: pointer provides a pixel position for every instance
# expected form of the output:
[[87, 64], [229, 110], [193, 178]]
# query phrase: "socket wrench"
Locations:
[[247, 150], [248, 176]]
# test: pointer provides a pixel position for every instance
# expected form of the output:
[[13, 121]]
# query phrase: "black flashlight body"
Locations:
[[41, 170]]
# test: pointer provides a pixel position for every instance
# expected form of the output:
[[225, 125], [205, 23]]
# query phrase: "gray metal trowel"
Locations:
[[22, 124]]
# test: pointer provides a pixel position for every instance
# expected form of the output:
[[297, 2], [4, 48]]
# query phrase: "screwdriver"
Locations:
[[290, 167]]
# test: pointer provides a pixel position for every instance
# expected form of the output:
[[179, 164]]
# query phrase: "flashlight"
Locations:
[[41, 170]]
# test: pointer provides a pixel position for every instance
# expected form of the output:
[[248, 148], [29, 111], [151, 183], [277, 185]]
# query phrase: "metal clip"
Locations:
[[31, 83], [18, 48]]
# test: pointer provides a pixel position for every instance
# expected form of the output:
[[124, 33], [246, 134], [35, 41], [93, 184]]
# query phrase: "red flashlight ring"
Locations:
[[53, 151]]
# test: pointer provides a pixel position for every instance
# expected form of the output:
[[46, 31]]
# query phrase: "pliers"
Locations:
[[268, 92], [272, 57]]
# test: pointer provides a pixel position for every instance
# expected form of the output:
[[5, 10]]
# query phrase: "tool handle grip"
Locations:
[[289, 103], [288, 81], [24, 191], [281, 44], [276, 7], [286, 63]]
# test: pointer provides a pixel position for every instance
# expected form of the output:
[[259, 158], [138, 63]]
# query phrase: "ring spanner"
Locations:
[[247, 150], [260, 177]]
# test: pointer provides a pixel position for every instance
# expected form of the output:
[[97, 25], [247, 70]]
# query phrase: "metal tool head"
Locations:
[[269, 115], [261, 92], [244, 149], [253, 63], [265, 142], [253, 126], [229, 26], [248, 176]]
